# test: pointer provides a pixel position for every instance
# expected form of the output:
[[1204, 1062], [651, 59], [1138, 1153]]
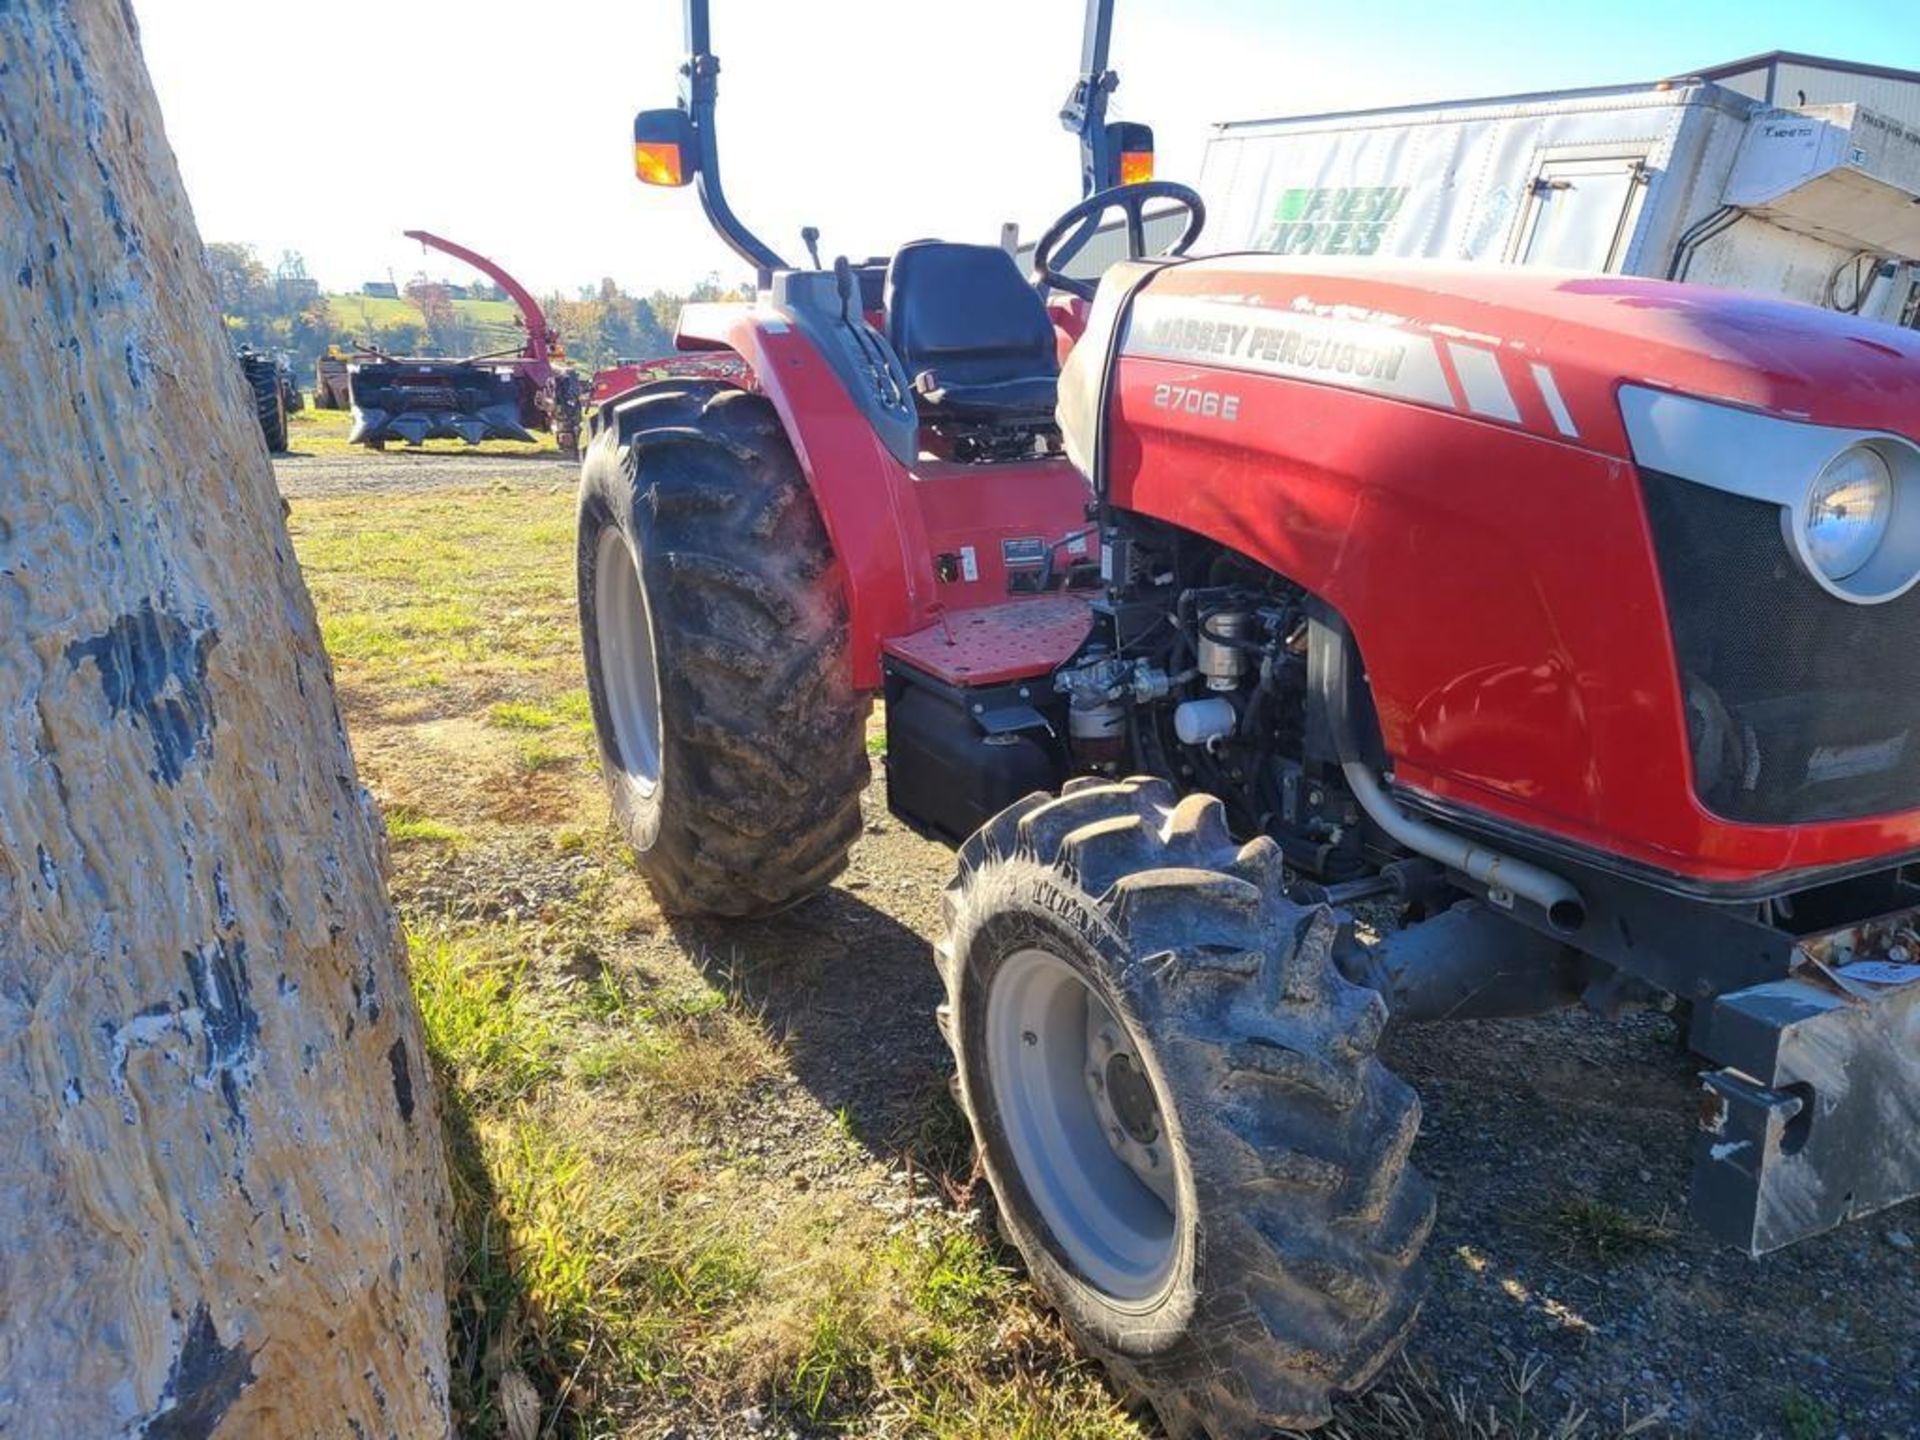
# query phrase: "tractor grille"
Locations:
[[1800, 706]]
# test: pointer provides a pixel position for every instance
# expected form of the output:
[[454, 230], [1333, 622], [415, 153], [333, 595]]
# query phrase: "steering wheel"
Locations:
[[1070, 233]]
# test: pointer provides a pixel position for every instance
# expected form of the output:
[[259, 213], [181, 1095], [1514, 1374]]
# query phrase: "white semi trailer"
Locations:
[[1688, 180]]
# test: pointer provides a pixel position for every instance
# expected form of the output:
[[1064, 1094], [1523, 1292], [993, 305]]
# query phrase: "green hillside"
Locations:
[[496, 320]]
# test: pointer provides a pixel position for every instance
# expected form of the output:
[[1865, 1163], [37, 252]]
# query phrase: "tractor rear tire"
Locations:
[[1175, 1097], [714, 620], [270, 404]]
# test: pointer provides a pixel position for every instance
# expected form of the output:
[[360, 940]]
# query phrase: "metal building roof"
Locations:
[[1794, 57]]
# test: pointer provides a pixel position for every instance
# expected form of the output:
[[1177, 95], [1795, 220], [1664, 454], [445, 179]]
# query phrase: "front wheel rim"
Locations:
[[1102, 1174], [629, 671]]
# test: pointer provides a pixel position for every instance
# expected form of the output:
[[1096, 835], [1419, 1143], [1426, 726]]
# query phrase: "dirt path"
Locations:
[[304, 477], [1559, 1148]]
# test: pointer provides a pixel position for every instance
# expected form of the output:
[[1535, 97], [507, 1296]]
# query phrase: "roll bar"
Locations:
[[699, 89], [1084, 114]]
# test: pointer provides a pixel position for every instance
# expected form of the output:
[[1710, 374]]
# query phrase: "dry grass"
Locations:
[[1411, 1404]]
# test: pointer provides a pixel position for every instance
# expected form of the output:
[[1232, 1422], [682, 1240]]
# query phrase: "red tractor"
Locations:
[[1570, 619]]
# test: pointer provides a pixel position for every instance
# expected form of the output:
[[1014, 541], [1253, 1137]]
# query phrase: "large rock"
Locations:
[[221, 1187]]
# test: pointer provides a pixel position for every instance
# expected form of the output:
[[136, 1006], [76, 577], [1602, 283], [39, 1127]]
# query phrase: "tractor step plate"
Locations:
[[996, 644]]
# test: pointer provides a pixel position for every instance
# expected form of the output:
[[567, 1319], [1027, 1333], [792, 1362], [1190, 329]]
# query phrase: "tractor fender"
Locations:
[[863, 491]]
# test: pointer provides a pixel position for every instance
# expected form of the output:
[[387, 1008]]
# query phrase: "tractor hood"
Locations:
[[1540, 350]]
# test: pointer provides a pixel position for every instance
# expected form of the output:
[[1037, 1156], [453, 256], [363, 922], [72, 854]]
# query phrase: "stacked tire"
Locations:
[[269, 398]]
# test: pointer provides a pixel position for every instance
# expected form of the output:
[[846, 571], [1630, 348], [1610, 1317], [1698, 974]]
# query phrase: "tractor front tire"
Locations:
[[714, 621], [1175, 1097]]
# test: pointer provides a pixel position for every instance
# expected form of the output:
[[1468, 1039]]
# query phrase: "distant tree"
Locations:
[[444, 326], [665, 308], [241, 282], [633, 330], [605, 323], [666, 305], [312, 331], [650, 338], [292, 286], [581, 325], [430, 298], [400, 336]]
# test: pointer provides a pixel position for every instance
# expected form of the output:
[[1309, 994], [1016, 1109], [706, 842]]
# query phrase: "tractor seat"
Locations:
[[972, 334]]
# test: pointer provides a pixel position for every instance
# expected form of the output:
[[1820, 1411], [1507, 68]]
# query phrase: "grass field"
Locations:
[[365, 314]]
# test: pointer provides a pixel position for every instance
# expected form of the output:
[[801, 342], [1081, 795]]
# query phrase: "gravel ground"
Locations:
[[1523, 1117], [313, 476], [1525, 1122]]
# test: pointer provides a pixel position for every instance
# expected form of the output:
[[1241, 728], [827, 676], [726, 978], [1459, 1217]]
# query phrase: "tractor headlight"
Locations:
[[1848, 509], [1849, 499]]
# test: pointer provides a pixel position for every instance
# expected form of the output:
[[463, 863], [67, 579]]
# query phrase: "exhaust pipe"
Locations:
[[1566, 912]]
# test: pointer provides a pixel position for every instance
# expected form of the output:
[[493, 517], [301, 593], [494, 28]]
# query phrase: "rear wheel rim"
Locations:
[[629, 672], [1101, 1175]]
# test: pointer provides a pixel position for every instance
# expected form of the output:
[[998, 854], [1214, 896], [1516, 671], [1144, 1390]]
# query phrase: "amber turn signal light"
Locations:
[[665, 147], [1129, 153], [658, 163]]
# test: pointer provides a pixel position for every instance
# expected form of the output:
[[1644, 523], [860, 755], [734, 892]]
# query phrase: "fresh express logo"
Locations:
[[1332, 220]]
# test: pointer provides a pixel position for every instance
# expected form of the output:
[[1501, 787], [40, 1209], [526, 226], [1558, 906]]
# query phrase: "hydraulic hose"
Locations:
[[1566, 912], [1714, 225]]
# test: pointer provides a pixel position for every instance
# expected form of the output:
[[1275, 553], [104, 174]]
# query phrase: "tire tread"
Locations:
[[750, 620], [1312, 1217]]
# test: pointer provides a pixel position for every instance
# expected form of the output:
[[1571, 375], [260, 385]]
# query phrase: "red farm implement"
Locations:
[[501, 396]]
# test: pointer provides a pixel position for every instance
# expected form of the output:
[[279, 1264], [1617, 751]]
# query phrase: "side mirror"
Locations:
[[664, 152], [1131, 145]]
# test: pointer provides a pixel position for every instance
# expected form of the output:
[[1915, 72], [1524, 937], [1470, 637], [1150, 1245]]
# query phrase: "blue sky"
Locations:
[[877, 120]]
